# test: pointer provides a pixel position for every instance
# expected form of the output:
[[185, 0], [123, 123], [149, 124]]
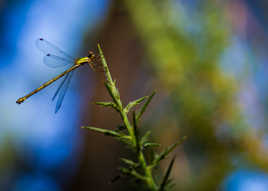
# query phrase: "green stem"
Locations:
[[148, 172], [116, 97], [129, 127]]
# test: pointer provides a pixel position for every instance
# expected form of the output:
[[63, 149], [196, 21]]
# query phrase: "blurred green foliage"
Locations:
[[185, 45]]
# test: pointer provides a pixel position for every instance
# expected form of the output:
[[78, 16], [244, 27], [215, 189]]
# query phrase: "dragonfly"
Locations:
[[55, 58]]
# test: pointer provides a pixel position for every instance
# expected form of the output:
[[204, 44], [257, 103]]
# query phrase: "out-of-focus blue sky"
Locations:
[[44, 139]]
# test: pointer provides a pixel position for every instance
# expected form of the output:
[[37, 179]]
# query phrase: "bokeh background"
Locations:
[[206, 60]]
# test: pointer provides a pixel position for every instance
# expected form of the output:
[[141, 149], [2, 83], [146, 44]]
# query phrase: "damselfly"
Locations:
[[55, 57]]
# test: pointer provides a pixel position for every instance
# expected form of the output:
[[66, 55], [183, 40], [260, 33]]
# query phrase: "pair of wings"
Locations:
[[55, 58]]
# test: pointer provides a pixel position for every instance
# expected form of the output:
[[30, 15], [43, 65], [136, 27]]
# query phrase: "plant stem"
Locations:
[[148, 172], [123, 113]]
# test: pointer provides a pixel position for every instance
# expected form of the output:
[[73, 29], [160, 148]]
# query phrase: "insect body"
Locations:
[[54, 57]]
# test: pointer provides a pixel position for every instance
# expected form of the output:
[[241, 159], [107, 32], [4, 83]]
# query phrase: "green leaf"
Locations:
[[165, 180], [144, 107], [137, 143], [105, 66], [107, 104], [126, 140], [163, 155], [148, 144], [130, 163], [125, 170], [110, 91], [134, 103], [114, 94], [132, 172], [145, 137], [105, 131]]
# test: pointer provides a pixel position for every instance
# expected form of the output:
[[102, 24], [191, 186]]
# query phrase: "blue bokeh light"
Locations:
[[46, 140], [246, 180]]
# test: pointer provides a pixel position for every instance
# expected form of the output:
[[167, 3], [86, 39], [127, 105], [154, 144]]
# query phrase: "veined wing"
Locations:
[[55, 61], [61, 91], [54, 56]]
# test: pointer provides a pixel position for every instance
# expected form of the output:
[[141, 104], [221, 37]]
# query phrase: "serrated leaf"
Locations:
[[167, 174], [134, 103], [163, 155], [144, 107]]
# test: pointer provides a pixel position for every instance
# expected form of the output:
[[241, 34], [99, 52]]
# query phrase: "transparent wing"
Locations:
[[56, 61], [62, 91], [55, 53], [60, 86]]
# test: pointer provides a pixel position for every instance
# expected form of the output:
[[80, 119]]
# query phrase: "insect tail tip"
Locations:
[[20, 100]]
